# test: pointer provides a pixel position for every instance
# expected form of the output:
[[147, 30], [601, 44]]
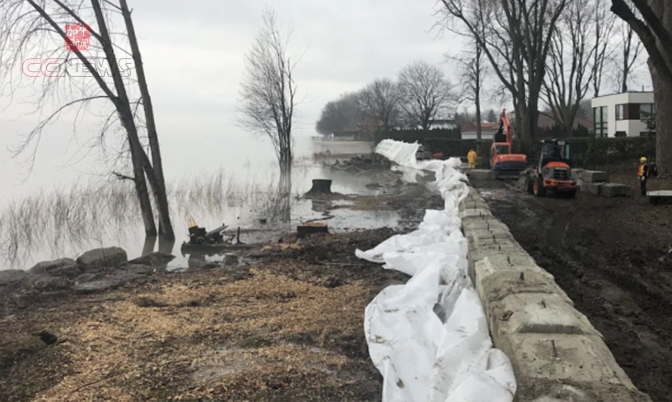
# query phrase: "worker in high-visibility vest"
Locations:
[[471, 158], [643, 174]]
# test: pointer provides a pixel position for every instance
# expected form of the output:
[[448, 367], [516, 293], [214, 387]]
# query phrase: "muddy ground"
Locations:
[[284, 325], [613, 257]]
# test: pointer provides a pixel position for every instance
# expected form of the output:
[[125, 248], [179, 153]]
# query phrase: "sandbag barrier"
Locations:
[[429, 338], [557, 355]]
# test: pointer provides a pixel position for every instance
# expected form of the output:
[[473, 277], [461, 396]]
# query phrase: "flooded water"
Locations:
[[65, 221]]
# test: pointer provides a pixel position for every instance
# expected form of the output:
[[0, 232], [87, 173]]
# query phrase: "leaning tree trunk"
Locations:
[[662, 90], [158, 182], [141, 189]]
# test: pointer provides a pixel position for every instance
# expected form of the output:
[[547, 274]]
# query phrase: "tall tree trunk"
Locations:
[[158, 182], [479, 129], [662, 90], [125, 112], [142, 193]]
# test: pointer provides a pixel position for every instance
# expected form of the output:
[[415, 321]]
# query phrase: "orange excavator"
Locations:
[[505, 163]]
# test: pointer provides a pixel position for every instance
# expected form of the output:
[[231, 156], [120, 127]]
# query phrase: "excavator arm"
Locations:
[[508, 130]]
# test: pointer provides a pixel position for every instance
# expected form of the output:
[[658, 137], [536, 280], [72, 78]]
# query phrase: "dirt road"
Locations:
[[613, 258]]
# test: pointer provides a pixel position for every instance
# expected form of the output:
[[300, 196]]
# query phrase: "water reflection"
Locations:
[[86, 215]]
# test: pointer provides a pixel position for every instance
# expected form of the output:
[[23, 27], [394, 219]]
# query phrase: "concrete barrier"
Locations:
[[556, 353], [591, 188], [594, 176], [611, 190]]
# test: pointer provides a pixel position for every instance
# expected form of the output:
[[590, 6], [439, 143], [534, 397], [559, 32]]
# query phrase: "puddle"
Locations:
[[499, 194]]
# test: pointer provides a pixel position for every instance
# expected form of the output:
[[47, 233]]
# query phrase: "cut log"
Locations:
[[311, 228], [320, 186]]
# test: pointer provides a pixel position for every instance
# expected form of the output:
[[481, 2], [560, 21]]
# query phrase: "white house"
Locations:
[[620, 115]]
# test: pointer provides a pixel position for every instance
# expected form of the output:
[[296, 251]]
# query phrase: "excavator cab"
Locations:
[[552, 172]]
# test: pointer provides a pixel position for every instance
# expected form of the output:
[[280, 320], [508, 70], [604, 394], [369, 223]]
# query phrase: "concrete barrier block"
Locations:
[[577, 173], [546, 364], [536, 313], [473, 204], [496, 283], [477, 252], [474, 212], [592, 188], [594, 176], [565, 392], [481, 174], [611, 190], [488, 224], [493, 233]]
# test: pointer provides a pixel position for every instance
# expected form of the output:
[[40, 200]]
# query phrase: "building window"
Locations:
[[601, 118], [620, 112], [646, 110], [620, 134]]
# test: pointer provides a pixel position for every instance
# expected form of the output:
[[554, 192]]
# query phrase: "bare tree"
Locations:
[[268, 91], [380, 103], [425, 93], [30, 28], [473, 68], [652, 22], [604, 23], [628, 57], [342, 114], [574, 60], [515, 36]]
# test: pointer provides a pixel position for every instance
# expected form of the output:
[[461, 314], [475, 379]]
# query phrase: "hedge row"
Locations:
[[585, 151], [418, 135]]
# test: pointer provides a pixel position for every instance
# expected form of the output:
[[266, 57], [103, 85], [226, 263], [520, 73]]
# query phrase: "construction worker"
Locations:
[[643, 174], [471, 158]]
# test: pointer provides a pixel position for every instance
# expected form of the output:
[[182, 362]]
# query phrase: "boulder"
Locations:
[[45, 283], [156, 260], [12, 276], [66, 267], [96, 286], [87, 277], [96, 260]]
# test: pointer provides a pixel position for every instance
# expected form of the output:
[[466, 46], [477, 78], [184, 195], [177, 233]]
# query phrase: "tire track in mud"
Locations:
[[629, 303]]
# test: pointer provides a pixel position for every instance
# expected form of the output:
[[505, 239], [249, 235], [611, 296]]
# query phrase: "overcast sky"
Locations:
[[194, 60]]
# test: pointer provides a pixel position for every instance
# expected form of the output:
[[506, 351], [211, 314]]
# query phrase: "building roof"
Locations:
[[623, 93]]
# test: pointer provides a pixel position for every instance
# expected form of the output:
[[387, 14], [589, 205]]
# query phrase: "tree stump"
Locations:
[[320, 186], [311, 228]]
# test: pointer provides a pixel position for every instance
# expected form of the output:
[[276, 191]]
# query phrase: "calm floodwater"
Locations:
[[63, 212]]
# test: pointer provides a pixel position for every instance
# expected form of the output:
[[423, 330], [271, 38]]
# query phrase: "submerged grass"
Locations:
[[94, 211]]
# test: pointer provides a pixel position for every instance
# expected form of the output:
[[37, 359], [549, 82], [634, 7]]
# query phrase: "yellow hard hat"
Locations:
[[642, 159]]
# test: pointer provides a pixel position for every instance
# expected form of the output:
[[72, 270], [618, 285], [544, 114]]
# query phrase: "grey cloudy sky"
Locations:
[[194, 59]]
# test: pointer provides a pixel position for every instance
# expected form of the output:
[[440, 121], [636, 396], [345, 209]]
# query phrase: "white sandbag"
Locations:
[[429, 337]]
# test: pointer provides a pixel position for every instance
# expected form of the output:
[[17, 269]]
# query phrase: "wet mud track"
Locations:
[[613, 257]]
